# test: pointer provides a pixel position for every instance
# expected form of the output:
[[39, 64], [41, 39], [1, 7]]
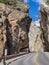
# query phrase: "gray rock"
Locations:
[[19, 30], [35, 43], [44, 23], [14, 28], [2, 30]]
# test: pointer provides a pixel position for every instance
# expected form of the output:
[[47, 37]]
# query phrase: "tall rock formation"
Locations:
[[14, 28], [44, 23], [2, 29], [35, 42], [17, 30]]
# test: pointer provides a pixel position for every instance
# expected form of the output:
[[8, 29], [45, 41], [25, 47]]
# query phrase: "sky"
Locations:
[[34, 9]]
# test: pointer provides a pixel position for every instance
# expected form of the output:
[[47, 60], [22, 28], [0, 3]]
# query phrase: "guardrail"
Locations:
[[14, 55]]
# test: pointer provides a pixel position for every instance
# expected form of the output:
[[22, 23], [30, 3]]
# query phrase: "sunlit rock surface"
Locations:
[[2, 30], [35, 43]]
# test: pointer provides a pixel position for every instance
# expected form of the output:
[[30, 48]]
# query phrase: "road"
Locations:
[[38, 58]]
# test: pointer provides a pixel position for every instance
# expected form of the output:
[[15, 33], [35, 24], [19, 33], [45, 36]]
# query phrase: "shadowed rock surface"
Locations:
[[14, 28], [19, 29], [44, 23]]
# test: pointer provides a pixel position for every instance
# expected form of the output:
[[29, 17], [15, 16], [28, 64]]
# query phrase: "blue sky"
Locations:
[[34, 10]]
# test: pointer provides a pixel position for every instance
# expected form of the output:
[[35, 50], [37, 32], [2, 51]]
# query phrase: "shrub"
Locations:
[[48, 1], [11, 2]]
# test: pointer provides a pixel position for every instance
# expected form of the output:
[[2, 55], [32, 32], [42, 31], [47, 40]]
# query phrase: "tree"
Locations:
[[11, 2], [48, 1]]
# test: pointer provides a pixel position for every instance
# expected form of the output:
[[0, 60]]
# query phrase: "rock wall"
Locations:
[[2, 30], [17, 31], [14, 28], [44, 23], [35, 42]]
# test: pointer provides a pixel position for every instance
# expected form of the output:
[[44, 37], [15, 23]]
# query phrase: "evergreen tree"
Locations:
[[48, 1], [12, 2]]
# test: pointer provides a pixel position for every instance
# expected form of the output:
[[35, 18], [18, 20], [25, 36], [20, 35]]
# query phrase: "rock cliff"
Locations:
[[44, 23], [14, 28], [35, 42], [17, 32], [2, 30]]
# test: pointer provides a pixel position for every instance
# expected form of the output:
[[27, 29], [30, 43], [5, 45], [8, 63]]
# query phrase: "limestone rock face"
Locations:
[[2, 30], [35, 43], [17, 31], [22, 6], [14, 29], [44, 23], [2, 7]]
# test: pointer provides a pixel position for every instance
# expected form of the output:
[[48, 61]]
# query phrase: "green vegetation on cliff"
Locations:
[[10, 2], [48, 1]]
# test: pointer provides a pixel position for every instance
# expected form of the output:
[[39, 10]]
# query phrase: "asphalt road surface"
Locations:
[[30, 59]]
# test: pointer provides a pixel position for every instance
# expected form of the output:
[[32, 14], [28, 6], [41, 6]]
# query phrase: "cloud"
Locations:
[[39, 1], [37, 23]]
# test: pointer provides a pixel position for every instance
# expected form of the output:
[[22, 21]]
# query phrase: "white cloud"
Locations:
[[39, 1], [37, 23]]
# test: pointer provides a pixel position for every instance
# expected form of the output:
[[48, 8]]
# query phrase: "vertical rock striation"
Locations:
[[2, 29], [44, 23], [35, 42], [14, 28], [19, 27]]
